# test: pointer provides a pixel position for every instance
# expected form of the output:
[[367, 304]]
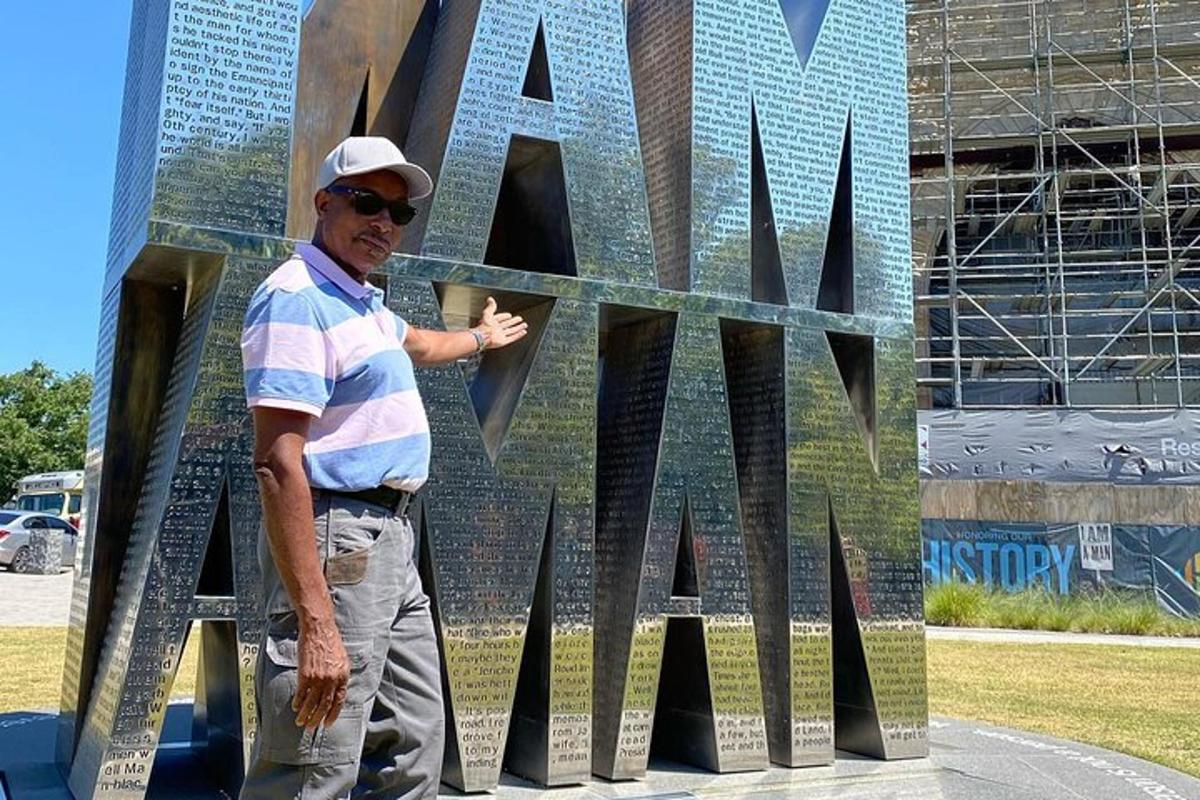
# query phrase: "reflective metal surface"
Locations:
[[499, 524], [851, 416], [201, 451], [207, 125], [664, 409], [358, 59], [45, 552], [807, 76], [787, 546], [481, 54], [198, 487], [669, 523]]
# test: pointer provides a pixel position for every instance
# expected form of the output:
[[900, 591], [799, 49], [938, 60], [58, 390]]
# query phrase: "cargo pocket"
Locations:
[[281, 740], [342, 742]]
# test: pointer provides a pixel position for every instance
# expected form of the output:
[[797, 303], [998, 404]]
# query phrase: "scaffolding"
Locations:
[[1062, 137]]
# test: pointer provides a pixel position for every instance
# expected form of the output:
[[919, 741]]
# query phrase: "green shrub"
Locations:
[[1108, 611], [1023, 611], [1056, 617], [954, 604]]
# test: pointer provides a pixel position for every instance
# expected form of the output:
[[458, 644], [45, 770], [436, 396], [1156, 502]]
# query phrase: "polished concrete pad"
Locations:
[[969, 761]]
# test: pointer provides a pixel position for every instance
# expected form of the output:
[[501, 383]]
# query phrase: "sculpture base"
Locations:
[[969, 761]]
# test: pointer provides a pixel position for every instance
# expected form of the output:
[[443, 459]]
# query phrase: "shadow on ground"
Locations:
[[28, 771], [968, 761]]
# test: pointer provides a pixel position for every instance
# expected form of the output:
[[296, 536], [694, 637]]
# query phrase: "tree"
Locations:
[[43, 422]]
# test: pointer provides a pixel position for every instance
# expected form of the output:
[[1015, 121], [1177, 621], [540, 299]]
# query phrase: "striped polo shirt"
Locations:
[[317, 341]]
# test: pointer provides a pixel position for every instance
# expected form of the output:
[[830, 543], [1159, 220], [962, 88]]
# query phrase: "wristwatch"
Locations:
[[480, 340]]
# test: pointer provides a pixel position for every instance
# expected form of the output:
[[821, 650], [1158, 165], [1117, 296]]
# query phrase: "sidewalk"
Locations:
[[1003, 635], [35, 600], [967, 761]]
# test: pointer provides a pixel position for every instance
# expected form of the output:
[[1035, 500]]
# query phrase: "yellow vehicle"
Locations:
[[57, 493]]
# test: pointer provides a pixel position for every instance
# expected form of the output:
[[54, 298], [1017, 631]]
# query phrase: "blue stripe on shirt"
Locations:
[[289, 384], [383, 374], [304, 307], [358, 468]]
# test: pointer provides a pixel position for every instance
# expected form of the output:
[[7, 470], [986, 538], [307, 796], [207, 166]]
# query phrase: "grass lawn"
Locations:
[[1140, 701], [1136, 700], [31, 662]]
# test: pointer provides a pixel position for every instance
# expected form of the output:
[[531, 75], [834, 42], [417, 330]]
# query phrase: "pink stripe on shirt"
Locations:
[[392, 417], [358, 339], [296, 347]]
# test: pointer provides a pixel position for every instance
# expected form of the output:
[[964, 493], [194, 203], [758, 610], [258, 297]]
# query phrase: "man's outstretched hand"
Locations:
[[432, 348], [500, 329]]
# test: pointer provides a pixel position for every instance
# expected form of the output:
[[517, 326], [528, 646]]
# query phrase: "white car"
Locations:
[[15, 529]]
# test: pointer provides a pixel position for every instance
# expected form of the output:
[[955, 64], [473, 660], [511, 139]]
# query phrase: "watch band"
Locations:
[[480, 340]]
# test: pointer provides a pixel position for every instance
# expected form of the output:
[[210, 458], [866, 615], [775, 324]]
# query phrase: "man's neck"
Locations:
[[319, 243]]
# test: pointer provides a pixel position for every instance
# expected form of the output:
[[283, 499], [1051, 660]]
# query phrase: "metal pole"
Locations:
[[1125, 328], [1181, 73], [1136, 158], [1168, 236], [1057, 192], [1039, 160], [951, 205], [1107, 84]]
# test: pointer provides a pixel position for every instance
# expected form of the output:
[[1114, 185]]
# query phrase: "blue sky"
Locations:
[[63, 68]]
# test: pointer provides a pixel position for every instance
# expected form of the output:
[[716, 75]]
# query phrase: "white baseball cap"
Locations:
[[359, 155]]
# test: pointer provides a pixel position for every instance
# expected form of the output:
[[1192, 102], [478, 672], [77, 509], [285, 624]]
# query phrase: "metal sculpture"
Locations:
[[680, 519]]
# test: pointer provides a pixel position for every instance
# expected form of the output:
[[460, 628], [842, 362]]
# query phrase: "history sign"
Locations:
[[679, 519]]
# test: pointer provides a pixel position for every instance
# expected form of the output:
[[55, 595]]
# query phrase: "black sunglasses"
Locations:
[[368, 204]]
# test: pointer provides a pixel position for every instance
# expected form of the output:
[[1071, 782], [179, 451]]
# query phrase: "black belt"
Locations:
[[394, 500]]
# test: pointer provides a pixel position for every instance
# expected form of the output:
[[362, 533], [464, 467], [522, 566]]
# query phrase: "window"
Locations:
[[42, 503], [6, 518], [36, 524], [76, 504]]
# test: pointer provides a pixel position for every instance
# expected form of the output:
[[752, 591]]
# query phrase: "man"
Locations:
[[348, 682]]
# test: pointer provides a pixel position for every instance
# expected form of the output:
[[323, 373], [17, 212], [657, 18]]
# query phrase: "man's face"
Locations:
[[358, 241]]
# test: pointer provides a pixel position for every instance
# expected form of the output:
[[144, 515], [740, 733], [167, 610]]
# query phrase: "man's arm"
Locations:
[[430, 348], [279, 438]]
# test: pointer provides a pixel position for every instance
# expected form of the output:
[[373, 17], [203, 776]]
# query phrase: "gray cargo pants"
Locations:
[[389, 738]]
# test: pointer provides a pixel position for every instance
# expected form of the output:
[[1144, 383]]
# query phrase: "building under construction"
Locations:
[[1056, 263], [1063, 138]]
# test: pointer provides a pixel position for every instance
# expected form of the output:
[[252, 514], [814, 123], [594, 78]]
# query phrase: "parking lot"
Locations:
[[39, 600]]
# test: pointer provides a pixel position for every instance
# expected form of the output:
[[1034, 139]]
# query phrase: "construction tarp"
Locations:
[[1067, 559], [1121, 447]]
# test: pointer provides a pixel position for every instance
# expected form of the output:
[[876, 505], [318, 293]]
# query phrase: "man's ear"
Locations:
[[321, 201]]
